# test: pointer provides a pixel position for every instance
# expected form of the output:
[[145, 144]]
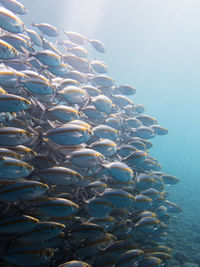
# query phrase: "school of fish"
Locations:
[[78, 186]]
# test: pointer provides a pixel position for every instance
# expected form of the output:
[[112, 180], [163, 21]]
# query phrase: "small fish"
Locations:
[[78, 63], [61, 176], [98, 45], [86, 158], [145, 181], [119, 171], [137, 144], [125, 150], [5, 152], [105, 132], [26, 152], [91, 90], [136, 157], [7, 51], [22, 190], [74, 94], [76, 38], [91, 247], [13, 103], [133, 122], [78, 51], [11, 168], [64, 113], [114, 121], [147, 120], [122, 101], [147, 225], [102, 80], [118, 197], [152, 193], [47, 57], [99, 206], [46, 29], [10, 78], [61, 70], [11, 136], [99, 66], [87, 230], [144, 132], [150, 261], [105, 146], [129, 258], [126, 89], [42, 231], [35, 256], [159, 130], [93, 113], [37, 83], [142, 202], [17, 42], [35, 38], [105, 221], [75, 263], [14, 6], [102, 103], [170, 179], [69, 134], [46, 45], [172, 207], [77, 75], [16, 224], [56, 207], [10, 22], [140, 108]]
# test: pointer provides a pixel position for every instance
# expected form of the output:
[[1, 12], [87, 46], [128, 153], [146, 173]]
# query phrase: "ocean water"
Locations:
[[155, 46]]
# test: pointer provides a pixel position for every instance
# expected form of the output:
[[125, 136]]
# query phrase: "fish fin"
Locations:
[[53, 125], [43, 108]]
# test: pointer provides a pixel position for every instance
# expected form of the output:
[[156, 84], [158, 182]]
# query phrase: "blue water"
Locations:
[[155, 46]]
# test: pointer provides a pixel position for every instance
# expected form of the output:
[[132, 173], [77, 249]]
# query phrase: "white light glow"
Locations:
[[84, 16]]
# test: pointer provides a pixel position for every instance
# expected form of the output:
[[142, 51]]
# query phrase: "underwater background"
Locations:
[[153, 45]]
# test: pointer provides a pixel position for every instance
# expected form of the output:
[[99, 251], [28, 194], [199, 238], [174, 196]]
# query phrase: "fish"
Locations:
[[14, 6], [98, 45], [75, 263], [22, 190], [129, 258], [35, 38], [13, 103], [10, 22], [46, 29], [76, 38], [7, 51], [13, 136], [69, 134], [32, 254]]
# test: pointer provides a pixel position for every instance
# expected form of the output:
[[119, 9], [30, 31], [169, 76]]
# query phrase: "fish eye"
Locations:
[[41, 186], [48, 252]]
